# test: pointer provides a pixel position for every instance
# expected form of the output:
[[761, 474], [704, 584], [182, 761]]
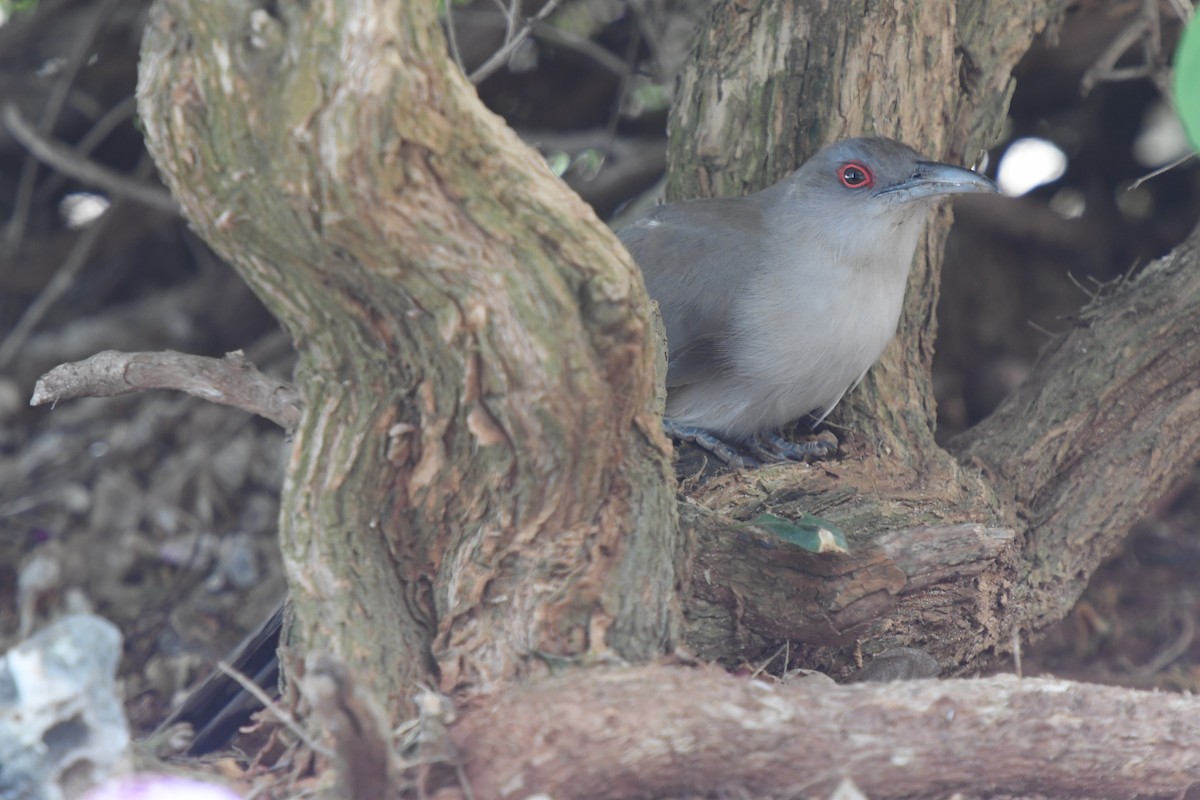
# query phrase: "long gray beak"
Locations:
[[931, 179]]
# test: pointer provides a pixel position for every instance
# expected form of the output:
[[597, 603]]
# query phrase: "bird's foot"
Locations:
[[769, 447], [766, 447], [707, 440]]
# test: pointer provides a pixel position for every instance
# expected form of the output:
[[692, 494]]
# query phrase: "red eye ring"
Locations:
[[856, 175]]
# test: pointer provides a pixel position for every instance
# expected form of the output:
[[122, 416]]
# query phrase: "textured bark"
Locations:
[[1107, 422], [936, 586], [657, 732], [230, 381], [771, 83], [479, 474]]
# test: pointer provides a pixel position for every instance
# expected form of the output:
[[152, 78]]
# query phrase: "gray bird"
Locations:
[[777, 303]]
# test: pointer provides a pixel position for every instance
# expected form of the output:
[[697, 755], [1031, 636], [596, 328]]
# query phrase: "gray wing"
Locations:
[[695, 264]]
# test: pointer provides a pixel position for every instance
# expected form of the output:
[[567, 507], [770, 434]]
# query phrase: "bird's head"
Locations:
[[882, 176], [865, 200]]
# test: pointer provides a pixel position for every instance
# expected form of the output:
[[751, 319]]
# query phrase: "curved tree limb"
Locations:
[[670, 732], [1107, 421], [479, 471], [230, 381]]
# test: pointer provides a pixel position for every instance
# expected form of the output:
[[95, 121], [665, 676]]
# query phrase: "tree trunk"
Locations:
[[779, 80], [479, 475], [771, 83]]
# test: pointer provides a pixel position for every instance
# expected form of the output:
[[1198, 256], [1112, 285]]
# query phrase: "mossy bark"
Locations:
[[480, 478], [953, 551], [480, 475]]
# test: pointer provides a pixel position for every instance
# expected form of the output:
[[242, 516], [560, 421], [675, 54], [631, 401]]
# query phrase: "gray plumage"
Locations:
[[778, 302]]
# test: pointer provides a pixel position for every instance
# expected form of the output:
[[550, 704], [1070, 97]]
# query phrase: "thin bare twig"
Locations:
[[1146, 29], [1043, 331], [1182, 9], [510, 19], [781, 650], [511, 13], [1016, 652], [583, 45], [558, 36], [1090, 294], [501, 56], [67, 161], [66, 273], [99, 131], [14, 231], [63, 278], [280, 713], [231, 381], [1179, 162], [452, 36], [1175, 650]]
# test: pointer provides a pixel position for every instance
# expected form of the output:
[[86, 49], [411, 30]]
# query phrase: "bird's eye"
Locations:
[[855, 175]]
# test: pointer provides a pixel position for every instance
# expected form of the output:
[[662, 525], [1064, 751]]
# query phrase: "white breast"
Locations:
[[805, 331]]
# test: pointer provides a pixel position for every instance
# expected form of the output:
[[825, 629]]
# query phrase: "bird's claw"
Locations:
[[769, 447], [707, 440], [763, 448]]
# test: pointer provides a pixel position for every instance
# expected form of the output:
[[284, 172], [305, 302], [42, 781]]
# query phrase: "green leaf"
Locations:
[[647, 96], [558, 163], [810, 533], [10, 8], [1186, 83]]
